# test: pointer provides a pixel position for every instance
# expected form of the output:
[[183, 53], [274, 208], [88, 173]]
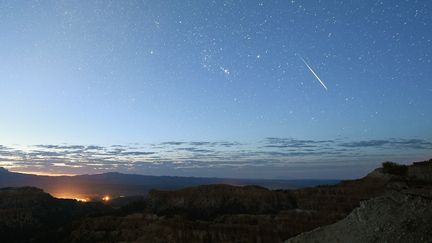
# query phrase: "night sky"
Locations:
[[259, 89]]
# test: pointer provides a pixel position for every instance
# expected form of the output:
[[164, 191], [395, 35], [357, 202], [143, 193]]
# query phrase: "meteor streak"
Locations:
[[316, 76]]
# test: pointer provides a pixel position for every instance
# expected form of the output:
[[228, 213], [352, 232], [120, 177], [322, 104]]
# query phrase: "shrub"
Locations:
[[394, 168]]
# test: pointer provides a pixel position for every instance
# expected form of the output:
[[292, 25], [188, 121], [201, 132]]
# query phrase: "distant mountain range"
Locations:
[[118, 184]]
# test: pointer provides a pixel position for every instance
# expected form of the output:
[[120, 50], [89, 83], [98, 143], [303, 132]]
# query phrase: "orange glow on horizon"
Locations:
[[79, 199], [106, 198], [40, 173], [82, 199]]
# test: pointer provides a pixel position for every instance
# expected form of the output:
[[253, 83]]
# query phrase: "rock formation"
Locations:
[[394, 217], [390, 204]]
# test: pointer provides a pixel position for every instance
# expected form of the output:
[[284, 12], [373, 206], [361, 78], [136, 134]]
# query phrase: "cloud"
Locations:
[[300, 153], [390, 143], [94, 147], [50, 146], [215, 144], [136, 153], [174, 156], [4, 149], [37, 153], [366, 143], [274, 142], [116, 151], [172, 143], [229, 144], [414, 143], [200, 143], [70, 147], [196, 150]]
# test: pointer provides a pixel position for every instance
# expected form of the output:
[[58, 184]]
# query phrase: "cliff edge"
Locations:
[[402, 214]]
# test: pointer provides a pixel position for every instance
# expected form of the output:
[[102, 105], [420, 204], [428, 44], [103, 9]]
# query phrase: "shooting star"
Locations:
[[316, 76]]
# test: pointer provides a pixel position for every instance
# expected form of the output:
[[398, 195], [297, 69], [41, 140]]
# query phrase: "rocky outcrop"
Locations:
[[145, 227], [394, 217], [421, 171], [406, 189], [332, 203], [223, 213], [28, 214], [151, 228], [206, 202]]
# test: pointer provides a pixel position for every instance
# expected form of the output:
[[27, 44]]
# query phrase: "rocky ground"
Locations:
[[391, 204], [28, 214], [394, 217], [402, 214]]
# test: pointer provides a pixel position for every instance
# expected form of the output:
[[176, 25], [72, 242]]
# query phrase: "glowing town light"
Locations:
[[82, 199]]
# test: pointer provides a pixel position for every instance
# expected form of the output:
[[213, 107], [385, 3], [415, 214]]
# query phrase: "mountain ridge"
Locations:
[[120, 184]]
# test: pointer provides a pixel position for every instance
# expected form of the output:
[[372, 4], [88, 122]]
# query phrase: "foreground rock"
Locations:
[[394, 217], [28, 214]]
